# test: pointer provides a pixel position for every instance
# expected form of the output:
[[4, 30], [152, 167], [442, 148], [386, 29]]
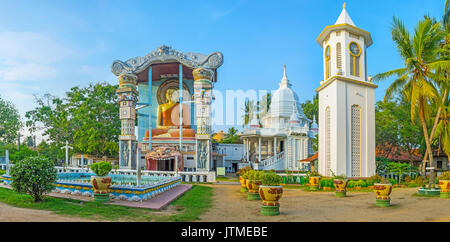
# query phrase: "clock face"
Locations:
[[354, 48], [327, 52]]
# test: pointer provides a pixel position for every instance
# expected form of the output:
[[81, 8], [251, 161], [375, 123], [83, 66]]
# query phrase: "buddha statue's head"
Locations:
[[169, 94]]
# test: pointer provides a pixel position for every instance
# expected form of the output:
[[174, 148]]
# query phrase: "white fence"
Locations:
[[187, 176]]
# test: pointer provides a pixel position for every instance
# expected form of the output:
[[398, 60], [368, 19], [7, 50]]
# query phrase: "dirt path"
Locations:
[[12, 214], [296, 205]]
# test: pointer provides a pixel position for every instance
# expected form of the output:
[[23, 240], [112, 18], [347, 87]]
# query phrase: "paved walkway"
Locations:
[[158, 202]]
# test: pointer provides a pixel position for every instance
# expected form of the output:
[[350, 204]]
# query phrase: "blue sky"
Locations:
[[50, 46]]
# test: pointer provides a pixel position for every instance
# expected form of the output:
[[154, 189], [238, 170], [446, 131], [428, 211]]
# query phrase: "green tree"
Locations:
[[34, 176], [231, 137], [88, 118], [420, 79], [10, 123], [311, 109], [394, 131], [249, 110]]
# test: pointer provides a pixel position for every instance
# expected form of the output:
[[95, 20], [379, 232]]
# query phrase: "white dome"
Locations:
[[283, 99]]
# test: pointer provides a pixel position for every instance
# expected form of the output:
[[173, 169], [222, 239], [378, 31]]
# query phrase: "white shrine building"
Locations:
[[346, 102], [282, 136]]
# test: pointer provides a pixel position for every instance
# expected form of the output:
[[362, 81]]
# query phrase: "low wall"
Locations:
[[187, 176], [116, 192]]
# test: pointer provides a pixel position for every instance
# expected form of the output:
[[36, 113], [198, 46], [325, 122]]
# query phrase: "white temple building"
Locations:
[[282, 136], [346, 102]]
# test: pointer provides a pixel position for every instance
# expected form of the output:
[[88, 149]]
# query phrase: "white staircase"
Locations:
[[273, 162]]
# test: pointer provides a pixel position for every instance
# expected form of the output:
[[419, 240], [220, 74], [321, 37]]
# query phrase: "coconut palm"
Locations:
[[420, 80]]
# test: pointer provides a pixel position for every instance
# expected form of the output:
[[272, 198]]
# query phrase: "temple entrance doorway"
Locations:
[[166, 165]]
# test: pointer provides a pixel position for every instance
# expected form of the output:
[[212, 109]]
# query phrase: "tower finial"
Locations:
[[343, 6], [284, 74]]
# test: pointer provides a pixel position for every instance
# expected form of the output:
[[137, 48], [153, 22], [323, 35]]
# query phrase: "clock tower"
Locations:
[[346, 102]]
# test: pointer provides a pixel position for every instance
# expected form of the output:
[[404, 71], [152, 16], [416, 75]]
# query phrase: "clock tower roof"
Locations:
[[344, 18], [344, 22]]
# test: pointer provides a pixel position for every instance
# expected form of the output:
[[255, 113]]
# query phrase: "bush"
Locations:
[[34, 176], [2, 172], [271, 179], [326, 182], [444, 176], [101, 168], [390, 180], [373, 179], [241, 171], [352, 183], [361, 183], [419, 180]]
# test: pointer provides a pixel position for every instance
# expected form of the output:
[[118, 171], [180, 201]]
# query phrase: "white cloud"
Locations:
[[27, 72], [31, 47]]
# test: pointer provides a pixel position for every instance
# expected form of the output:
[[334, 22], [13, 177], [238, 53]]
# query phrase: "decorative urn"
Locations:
[[243, 185], [341, 187], [314, 183], [101, 186], [270, 196], [383, 190], [445, 188], [253, 188]]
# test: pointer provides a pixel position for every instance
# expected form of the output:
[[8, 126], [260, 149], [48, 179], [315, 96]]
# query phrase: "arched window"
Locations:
[[338, 56], [355, 56], [356, 141], [327, 141], [327, 61]]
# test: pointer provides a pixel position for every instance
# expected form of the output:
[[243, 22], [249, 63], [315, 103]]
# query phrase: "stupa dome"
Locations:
[[283, 99]]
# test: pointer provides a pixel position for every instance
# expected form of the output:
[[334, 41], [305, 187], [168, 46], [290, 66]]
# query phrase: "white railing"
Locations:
[[273, 159], [187, 176]]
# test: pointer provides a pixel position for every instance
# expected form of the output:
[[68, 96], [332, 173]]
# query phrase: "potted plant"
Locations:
[[270, 192], [101, 181], [253, 184], [383, 190], [243, 177], [314, 180], [340, 183], [444, 183]]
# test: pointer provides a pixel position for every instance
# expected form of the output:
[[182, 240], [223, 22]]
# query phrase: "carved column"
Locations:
[[127, 93], [203, 96]]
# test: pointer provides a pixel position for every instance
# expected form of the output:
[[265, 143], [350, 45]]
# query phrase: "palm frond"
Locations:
[[395, 87], [386, 75]]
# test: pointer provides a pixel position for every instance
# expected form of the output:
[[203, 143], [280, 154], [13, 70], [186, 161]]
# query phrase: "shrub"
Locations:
[[34, 176], [352, 183], [407, 179], [241, 171], [101, 168], [419, 180], [259, 175], [327, 182], [271, 179], [444, 176], [373, 179], [361, 183], [313, 173], [245, 174], [2, 172]]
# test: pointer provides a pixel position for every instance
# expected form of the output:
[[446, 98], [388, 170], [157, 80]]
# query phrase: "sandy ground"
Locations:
[[230, 205], [12, 214]]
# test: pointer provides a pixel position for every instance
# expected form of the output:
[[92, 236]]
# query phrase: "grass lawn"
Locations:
[[225, 178], [189, 207]]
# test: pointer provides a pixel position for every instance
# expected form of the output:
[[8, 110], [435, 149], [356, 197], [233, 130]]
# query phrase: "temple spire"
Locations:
[[284, 81]]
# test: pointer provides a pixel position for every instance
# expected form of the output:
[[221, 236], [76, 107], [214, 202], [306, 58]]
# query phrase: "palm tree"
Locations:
[[420, 80], [249, 109]]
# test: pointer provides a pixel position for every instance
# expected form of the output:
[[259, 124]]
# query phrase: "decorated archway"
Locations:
[[163, 158]]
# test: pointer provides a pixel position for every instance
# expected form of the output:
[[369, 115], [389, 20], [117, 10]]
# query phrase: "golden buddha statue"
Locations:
[[167, 121]]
